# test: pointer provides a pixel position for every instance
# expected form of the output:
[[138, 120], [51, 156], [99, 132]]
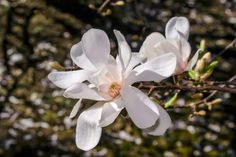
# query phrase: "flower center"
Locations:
[[114, 89]]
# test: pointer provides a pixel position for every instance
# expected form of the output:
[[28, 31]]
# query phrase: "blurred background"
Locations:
[[33, 113]]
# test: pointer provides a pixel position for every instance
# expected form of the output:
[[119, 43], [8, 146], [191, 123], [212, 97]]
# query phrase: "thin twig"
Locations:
[[213, 93], [211, 82], [195, 89], [103, 6], [232, 44]]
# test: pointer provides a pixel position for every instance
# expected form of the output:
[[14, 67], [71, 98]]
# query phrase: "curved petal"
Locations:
[[75, 109], [134, 61], [65, 79], [169, 46], [180, 48], [114, 70], [142, 111], [154, 70], [144, 76], [163, 123], [96, 46], [163, 65], [193, 61], [148, 50], [79, 58], [184, 47], [110, 111], [82, 91], [124, 49], [88, 132], [176, 24]]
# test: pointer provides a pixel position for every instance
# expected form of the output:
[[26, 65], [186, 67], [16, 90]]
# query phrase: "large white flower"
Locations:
[[176, 41], [109, 81]]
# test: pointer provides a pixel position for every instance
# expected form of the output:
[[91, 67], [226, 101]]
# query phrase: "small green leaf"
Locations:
[[211, 67], [192, 74], [171, 101]]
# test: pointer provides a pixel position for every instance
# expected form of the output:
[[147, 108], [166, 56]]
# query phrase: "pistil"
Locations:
[[114, 89]]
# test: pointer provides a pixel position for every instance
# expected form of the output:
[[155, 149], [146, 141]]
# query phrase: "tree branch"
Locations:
[[197, 89], [103, 6], [213, 93], [219, 88]]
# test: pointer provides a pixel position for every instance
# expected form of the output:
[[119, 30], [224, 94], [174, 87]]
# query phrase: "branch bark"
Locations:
[[212, 87], [198, 89]]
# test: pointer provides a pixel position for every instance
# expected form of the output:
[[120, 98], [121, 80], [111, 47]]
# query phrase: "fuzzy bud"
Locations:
[[203, 44], [209, 106], [56, 66], [197, 96], [107, 12], [200, 113], [206, 75], [91, 6], [207, 57], [200, 65], [216, 101], [119, 3]]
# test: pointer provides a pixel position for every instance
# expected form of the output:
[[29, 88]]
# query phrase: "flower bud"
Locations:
[[119, 3], [107, 12], [200, 65], [216, 101], [207, 57], [206, 75], [209, 106], [91, 6], [192, 105], [200, 113], [197, 96], [203, 44], [56, 66]]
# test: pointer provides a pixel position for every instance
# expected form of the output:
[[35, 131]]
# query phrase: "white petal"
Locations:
[[88, 132], [82, 91], [144, 76], [154, 70], [184, 47], [180, 48], [170, 46], [66, 79], [193, 61], [124, 49], [175, 24], [79, 57], [163, 123], [75, 109], [96, 46], [134, 61], [162, 65], [114, 70], [147, 50], [142, 111], [110, 111], [167, 46], [96, 77]]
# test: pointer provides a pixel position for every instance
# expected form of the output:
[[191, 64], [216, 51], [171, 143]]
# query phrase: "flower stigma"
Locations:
[[114, 89]]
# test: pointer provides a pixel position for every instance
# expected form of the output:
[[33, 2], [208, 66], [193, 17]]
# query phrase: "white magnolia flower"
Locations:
[[176, 41], [109, 81]]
